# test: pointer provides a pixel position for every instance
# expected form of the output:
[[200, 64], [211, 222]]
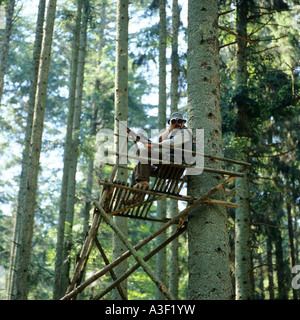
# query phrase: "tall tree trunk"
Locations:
[[174, 56], [174, 245], [276, 235], [89, 184], [296, 233], [162, 99], [74, 149], [261, 277], [280, 272], [5, 43], [209, 270], [270, 264], [242, 217], [242, 241], [95, 111], [26, 228], [58, 288], [28, 131], [96, 107], [161, 259], [291, 238], [121, 111]]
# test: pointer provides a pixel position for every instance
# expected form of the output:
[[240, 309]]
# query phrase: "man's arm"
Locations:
[[180, 137], [162, 137], [165, 134]]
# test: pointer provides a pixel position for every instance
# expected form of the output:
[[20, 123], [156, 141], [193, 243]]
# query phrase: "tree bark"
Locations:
[[26, 229], [162, 99], [121, 111], [174, 245], [242, 217], [74, 148], [174, 56], [243, 288], [270, 265], [27, 139], [58, 288], [209, 270], [96, 107], [276, 235], [5, 43], [161, 258], [291, 240]]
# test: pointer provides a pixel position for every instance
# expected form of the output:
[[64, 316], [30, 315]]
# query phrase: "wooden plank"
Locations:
[[181, 185], [175, 182], [155, 196], [159, 194]]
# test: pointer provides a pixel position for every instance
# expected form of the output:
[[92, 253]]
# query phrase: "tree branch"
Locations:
[[272, 39], [257, 52], [279, 154], [266, 13], [236, 35], [225, 12], [267, 225], [264, 146], [228, 44], [259, 28]]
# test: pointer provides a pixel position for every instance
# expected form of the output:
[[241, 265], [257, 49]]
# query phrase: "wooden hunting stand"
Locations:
[[168, 183]]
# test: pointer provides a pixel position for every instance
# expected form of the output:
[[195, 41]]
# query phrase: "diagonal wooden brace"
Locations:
[[112, 273], [134, 252], [137, 265]]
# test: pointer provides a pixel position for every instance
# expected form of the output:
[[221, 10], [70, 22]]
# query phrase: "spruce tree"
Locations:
[[209, 271]]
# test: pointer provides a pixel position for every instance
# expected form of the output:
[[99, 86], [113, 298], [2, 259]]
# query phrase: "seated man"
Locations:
[[174, 136]]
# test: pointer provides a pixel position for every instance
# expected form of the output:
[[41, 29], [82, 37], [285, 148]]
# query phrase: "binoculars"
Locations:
[[176, 120]]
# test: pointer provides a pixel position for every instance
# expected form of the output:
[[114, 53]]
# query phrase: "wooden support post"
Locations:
[[84, 254]]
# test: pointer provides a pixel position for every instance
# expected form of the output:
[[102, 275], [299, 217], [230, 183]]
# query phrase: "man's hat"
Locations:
[[176, 115]]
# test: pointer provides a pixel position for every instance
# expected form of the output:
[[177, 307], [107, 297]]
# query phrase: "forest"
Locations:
[[68, 68]]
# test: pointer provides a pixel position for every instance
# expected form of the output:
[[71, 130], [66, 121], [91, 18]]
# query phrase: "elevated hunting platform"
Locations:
[[168, 182]]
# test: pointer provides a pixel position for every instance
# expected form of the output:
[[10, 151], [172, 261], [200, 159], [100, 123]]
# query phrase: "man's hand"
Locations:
[[172, 126]]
